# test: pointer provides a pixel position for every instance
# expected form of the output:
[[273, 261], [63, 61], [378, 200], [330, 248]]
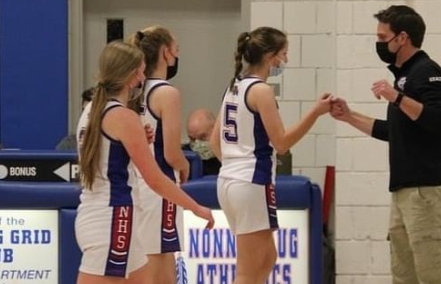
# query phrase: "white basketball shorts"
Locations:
[[248, 207], [109, 240]]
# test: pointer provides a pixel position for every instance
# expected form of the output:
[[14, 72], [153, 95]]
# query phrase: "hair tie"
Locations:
[[140, 35], [103, 85], [247, 36]]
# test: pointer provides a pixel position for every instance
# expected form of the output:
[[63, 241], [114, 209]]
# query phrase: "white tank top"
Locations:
[[115, 185], [247, 153], [147, 116]]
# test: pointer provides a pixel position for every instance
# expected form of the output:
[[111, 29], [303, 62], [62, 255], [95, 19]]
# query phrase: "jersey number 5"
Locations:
[[230, 125]]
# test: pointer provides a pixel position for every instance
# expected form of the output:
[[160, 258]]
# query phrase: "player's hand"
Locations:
[[205, 213], [323, 104], [184, 173], [149, 133]]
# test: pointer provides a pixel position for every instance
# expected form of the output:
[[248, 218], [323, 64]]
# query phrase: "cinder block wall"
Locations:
[[310, 72], [332, 48]]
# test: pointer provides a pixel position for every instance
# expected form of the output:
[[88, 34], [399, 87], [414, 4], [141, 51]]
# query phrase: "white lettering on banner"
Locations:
[[23, 171], [74, 171], [210, 256]]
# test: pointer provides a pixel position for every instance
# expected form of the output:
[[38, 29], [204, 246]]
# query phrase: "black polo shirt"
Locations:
[[414, 146]]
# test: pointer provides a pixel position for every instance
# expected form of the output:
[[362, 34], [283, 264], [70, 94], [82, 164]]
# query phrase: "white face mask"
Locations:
[[276, 71], [202, 148]]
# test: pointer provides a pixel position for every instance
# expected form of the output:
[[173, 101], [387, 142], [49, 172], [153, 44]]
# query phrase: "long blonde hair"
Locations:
[[118, 64]]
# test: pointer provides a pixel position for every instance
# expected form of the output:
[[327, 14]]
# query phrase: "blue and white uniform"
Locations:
[[247, 176], [162, 221], [105, 226]]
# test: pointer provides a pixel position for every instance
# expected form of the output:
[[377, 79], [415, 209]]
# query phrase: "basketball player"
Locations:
[[247, 133], [111, 141], [161, 108]]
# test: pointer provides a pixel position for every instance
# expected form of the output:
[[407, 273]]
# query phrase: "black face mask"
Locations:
[[384, 53], [172, 70]]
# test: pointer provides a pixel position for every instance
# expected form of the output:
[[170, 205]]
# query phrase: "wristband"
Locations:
[[398, 100]]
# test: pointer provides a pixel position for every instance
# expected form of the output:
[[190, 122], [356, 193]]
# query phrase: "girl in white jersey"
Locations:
[[111, 142], [161, 108], [246, 136]]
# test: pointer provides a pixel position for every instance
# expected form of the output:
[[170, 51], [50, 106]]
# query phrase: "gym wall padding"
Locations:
[[33, 73], [293, 193]]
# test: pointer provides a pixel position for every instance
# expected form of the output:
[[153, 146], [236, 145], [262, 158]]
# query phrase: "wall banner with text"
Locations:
[[210, 256], [28, 246]]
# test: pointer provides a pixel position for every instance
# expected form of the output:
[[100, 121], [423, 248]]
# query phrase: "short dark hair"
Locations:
[[87, 95], [402, 18]]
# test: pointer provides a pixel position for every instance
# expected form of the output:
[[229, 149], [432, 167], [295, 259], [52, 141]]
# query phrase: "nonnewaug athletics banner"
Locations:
[[28, 246], [210, 256]]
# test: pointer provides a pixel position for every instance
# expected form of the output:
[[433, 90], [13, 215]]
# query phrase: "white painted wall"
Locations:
[[206, 32]]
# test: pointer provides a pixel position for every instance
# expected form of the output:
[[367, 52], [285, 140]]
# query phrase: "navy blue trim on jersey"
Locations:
[[102, 117], [118, 175], [263, 153], [110, 138], [147, 98], [159, 152], [246, 95], [159, 137]]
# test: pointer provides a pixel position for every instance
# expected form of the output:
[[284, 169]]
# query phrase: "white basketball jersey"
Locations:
[[162, 224], [116, 182], [147, 116], [246, 150]]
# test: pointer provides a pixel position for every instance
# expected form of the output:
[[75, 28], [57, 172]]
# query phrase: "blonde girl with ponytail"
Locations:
[[111, 142]]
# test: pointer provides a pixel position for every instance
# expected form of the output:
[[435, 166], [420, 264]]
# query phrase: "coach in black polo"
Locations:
[[413, 130]]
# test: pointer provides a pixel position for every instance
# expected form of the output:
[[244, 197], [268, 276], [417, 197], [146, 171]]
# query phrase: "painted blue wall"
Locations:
[[33, 73]]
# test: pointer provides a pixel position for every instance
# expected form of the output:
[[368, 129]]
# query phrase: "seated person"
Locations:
[[199, 127], [70, 142]]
